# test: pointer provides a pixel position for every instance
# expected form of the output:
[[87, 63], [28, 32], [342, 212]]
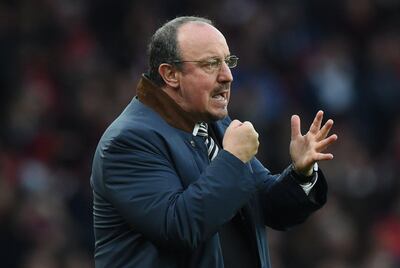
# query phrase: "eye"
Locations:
[[212, 64]]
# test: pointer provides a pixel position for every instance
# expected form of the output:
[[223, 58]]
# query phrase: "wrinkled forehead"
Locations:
[[198, 40]]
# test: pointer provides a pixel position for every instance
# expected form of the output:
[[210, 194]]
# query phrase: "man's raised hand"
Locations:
[[310, 148]]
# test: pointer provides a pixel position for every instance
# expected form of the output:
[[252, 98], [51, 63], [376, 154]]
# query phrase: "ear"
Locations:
[[169, 74]]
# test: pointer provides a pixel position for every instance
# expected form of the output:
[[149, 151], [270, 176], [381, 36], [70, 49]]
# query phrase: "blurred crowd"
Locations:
[[68, 68]]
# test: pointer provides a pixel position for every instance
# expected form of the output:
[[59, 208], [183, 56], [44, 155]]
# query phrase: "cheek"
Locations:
[[200, 97], [197, 92], [196, 89]]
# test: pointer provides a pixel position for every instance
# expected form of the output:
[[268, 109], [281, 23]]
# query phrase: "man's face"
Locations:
[[204, 90]]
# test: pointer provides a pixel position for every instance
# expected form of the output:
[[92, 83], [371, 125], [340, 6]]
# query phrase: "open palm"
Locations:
[[308, 149]]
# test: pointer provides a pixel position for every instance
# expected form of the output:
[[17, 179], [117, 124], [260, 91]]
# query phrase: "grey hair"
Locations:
[[163, 46]]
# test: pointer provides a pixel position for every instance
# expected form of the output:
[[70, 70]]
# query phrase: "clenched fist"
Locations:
[[241, 140]]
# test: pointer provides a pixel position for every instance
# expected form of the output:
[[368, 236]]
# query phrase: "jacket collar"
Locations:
[[154, 97]]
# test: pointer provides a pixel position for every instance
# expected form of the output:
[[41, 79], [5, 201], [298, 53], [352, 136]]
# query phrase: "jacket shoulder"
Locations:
[[137, 126]]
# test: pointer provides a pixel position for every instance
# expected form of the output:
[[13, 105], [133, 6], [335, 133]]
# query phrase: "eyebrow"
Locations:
[[215, 57]]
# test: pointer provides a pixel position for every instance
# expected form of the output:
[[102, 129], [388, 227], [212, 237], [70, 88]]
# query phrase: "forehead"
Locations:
[[198, 39]]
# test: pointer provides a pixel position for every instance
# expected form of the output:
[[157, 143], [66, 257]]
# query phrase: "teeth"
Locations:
[[219, 97]]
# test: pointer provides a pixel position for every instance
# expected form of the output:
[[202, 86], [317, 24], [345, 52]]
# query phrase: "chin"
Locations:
[[217, 116]]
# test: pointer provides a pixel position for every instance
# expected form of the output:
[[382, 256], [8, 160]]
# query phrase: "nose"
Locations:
[[225, 74]]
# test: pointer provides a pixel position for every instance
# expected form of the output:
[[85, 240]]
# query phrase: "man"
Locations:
[[175, 181]]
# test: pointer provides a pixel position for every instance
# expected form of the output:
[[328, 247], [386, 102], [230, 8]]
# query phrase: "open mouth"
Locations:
[[221, 95]]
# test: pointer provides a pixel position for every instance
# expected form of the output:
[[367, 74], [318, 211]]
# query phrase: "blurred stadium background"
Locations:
[[67, 68]]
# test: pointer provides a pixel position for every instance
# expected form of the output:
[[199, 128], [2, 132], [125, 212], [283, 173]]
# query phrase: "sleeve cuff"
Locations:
[[307, 186]]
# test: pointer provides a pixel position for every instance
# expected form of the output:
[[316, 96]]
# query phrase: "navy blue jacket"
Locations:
[[159, 202]]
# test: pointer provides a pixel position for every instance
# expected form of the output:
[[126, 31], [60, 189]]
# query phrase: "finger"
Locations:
[[247, 123], [235, 123], [295, 125], [250, 126], [323, 156], [316, 124], [324, 131], [322, 145]]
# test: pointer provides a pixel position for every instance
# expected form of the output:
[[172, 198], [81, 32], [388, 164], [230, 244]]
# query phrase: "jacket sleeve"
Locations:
[[283, 201], [140, 181]]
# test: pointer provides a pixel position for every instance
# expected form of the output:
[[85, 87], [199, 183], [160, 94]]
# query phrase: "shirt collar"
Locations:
[[155, 98]]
